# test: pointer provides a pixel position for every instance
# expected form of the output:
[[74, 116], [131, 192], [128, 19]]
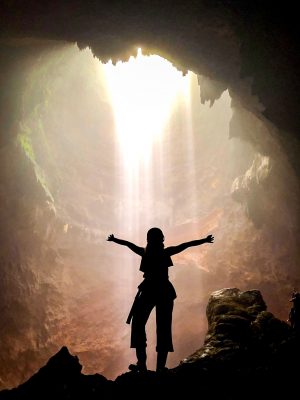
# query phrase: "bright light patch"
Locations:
[[142, 92]]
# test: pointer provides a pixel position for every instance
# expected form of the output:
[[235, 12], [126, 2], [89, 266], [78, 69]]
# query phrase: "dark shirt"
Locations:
[[155, 264]]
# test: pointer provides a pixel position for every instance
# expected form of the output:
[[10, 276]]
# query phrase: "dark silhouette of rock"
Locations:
[[245, 349], [60, 378], [238, 321], [294, 314], [248, 353]]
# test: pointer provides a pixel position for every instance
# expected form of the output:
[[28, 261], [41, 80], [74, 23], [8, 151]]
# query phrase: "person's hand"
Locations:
[[111, 238], [210, 239]]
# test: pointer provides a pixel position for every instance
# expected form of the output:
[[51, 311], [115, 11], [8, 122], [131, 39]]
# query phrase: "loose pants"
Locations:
[[163, 302]]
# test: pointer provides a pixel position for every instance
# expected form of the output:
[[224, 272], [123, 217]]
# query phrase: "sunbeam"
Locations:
[[143, 91]]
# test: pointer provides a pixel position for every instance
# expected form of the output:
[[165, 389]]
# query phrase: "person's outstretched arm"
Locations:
[[177, 249], [136, 249]]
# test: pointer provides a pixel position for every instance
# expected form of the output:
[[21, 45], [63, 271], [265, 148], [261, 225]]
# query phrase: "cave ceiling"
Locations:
[[228, 41]]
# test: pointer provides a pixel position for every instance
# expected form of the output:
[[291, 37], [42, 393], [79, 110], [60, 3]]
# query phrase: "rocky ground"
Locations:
[[248, 353]]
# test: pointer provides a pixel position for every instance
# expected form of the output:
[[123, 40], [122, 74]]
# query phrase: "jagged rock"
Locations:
[[210, 90], [249, 187], [60, 378], [245, 345], [238, 324], [254, 176], [246, 349]]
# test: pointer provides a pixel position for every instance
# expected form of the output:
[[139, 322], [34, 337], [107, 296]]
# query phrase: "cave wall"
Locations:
[[252, 52], [50, 241], [224, 39]]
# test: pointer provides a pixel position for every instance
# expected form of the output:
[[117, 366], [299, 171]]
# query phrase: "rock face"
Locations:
[[246, 351], [60, 378], [50, 240], [239, 324]]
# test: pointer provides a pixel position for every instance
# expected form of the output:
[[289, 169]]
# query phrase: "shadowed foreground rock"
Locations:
[[247, 353]]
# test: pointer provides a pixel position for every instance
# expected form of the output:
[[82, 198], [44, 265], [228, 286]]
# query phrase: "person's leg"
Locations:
[[141, 357], [138, 330], [164, 310], [161, 360]]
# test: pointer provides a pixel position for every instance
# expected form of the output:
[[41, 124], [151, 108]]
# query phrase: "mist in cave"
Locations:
[[95, 155]]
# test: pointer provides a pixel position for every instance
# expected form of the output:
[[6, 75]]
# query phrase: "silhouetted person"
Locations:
[[294, 315], [155, 291]]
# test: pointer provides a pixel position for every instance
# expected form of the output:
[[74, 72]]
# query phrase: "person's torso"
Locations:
[[155, 265]]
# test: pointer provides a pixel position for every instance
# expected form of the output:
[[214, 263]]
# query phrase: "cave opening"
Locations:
[[79, 182], [121, 148]]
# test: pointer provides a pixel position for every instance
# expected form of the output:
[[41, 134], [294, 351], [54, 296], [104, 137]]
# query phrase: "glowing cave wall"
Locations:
[[62, 283]]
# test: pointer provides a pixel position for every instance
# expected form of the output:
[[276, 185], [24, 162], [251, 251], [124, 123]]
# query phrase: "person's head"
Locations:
[[155, 237]]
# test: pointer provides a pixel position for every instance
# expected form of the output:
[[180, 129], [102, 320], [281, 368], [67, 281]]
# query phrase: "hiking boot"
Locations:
[[138, 367]]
